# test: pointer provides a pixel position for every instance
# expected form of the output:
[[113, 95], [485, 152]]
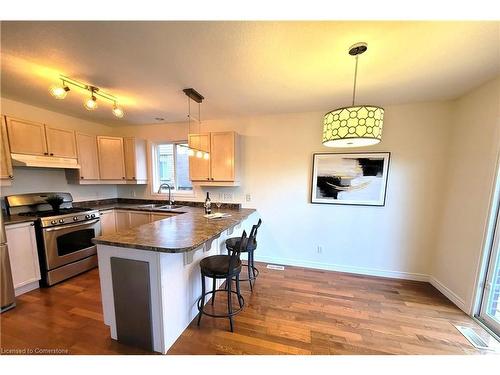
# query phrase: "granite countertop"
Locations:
[[177, 234], [17, 219], [135, 207]]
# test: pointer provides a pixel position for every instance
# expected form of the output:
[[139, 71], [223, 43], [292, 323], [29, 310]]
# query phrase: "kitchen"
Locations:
[[172, 210]]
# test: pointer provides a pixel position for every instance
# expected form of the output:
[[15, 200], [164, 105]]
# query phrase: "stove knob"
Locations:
[[92, 216], [75, 218], [53, 222], [87, 216], [61, 221]]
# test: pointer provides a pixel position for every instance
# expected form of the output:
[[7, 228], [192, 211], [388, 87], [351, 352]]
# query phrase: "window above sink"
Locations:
[[170, 164]]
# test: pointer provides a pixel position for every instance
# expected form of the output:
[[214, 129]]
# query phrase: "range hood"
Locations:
[[20, 160]]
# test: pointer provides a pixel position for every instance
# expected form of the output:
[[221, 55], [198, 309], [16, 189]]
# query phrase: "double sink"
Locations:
[[159, 207]]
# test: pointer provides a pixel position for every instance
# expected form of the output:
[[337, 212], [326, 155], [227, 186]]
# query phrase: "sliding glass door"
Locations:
[[490, 303]]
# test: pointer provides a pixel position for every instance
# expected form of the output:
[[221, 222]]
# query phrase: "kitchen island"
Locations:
[[150, 277]]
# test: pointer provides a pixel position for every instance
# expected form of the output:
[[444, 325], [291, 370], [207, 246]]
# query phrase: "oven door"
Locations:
[[69, 243]]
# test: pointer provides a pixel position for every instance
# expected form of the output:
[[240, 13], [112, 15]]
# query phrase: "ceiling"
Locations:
[[243, 68]]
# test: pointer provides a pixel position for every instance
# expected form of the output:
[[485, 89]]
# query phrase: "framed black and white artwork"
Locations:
[[350, 178]]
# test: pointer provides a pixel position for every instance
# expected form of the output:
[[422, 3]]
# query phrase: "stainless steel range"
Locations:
[[64, 236]]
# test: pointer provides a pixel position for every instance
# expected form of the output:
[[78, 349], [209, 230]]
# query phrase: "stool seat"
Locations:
[[218, 266], [234, 243]]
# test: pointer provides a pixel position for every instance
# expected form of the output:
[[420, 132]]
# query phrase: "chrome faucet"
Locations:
[[170, 202]]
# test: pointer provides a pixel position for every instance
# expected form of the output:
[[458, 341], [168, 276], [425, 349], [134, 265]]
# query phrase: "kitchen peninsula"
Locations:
[[150, 279]]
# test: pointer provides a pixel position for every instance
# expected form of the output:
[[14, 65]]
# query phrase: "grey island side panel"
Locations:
[[181, 233]]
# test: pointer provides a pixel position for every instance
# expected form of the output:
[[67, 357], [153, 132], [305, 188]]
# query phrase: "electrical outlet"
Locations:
[[248, 197], [319, 249], [228, 196], [132, 193]]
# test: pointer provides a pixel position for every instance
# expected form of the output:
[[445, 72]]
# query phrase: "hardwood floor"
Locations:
[[296, 311]]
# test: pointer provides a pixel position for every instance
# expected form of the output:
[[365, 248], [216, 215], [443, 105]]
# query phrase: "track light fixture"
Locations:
[[60, 91], [91, 103]]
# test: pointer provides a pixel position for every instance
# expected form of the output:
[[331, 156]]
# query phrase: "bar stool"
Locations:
[[249, 247], [222, 267]]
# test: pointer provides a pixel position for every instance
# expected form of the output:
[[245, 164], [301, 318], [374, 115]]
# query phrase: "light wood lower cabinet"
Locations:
[[122, 220], [23, 255], [6, 173], [139, 218], [108, 222], [118, 220]]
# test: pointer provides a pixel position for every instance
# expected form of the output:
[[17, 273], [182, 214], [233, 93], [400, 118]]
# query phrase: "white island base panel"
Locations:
[[175, 285]]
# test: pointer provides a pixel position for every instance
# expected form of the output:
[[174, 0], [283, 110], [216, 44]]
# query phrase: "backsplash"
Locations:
[[103, 202]]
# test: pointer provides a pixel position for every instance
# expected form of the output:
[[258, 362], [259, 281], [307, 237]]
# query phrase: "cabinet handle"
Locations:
[[11, 177], [82, 177], [133, 178], [45, 153], [32, 224], [123, 178], [208, 178], [51, 154]]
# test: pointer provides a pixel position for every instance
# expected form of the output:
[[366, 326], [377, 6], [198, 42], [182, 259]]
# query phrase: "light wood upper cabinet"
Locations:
[[60, 142], [5, 159], [135, 159], [26, 137], [199, 168], [33, 138], [222, 156], [88, 157], [111, 160], [221, 169]]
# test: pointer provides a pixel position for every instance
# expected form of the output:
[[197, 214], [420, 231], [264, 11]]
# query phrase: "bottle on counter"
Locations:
[[208, 205]]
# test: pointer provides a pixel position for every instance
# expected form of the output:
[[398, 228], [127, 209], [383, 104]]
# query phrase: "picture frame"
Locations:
[[356, 178]]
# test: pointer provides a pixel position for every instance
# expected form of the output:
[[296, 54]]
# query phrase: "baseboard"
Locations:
[[343, 268], [448, 293], [26, 288]]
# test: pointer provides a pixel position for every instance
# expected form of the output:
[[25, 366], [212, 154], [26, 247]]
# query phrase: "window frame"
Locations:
[[155, 183]]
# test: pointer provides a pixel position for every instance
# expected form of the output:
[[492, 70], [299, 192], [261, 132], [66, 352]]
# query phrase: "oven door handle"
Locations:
[[71, 226]]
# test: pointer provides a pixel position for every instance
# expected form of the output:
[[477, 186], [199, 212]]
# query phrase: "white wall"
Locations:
[[395, 240], [28, 180], [471, 163]]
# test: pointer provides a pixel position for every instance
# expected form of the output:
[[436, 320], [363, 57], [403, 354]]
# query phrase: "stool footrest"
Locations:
[[200, 305]]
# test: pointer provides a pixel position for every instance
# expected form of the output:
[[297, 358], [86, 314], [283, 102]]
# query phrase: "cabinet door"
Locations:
[[139, 218], [108, 223], [60, 142], [23, 254], [5, 160], [222, 156], [130, 158], [111, 163], [86, 146], [26, 137], [199, 168], [122, 220]]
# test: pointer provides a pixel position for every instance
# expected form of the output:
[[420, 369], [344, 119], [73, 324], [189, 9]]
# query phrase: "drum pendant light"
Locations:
[[357, 125]]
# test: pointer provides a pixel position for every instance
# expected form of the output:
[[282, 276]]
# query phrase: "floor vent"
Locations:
[[275, 267], [474, 338]]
